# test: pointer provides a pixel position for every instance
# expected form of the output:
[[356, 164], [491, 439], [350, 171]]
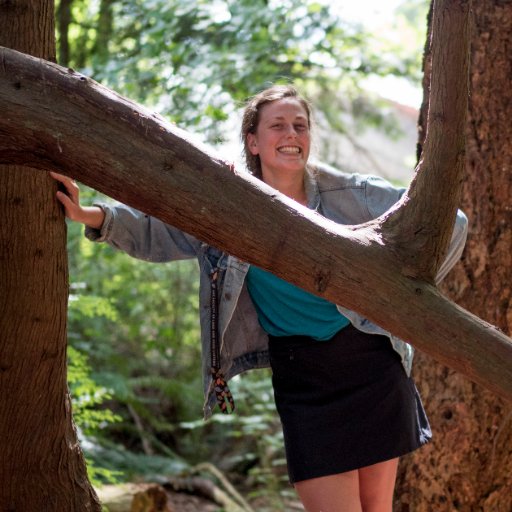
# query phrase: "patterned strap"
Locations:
[[224, 396]]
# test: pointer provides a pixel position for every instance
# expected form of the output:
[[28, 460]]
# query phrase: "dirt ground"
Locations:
[[138, 498], [181, 502], [185, 503]]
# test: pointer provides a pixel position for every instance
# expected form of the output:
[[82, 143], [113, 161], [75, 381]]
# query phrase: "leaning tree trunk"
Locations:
[[41, 464], [468, 466]]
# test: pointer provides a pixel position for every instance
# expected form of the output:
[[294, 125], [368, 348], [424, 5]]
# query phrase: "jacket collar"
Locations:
[[311, 187]]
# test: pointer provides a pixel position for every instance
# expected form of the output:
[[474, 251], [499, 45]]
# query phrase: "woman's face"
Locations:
[[282, 138]]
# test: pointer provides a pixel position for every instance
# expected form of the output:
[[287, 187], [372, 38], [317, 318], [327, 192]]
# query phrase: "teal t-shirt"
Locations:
[[287, 310]]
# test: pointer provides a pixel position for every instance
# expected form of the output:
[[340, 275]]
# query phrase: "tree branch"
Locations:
[[419, 227], [54, 118]]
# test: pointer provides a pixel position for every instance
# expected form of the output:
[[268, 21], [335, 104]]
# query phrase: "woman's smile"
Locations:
[[290, 150]]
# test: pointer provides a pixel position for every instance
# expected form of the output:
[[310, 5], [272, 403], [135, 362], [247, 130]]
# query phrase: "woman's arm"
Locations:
[[457, 243], [92, 216], [127, 229]]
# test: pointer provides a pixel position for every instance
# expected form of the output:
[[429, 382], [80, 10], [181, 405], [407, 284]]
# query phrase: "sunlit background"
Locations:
[[381, 16]]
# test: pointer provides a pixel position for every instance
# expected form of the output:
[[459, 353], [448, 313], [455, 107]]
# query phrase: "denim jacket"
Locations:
[[344, 198]]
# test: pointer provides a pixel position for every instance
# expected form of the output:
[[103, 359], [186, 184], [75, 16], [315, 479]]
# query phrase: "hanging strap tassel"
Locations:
[[224, 396], [222, 392]]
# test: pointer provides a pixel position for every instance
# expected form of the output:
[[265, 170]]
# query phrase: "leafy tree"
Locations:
[[196, 61], [138, 325]]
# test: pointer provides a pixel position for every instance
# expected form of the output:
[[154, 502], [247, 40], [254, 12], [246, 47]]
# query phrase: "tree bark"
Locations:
[[64, 18], [103, 31], [436, 184], [139, 159], [41, 464], [468, 466]]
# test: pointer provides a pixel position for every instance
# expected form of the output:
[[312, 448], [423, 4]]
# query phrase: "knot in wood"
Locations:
[[322, 278]]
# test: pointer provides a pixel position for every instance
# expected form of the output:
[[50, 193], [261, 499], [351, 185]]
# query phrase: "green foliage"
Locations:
[[196, 61], [87, 394], [134, 349], [99, 476], [115, 459], [248, 443]]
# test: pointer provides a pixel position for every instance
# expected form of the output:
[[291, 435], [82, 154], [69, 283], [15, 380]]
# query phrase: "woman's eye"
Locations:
[[301, 127]]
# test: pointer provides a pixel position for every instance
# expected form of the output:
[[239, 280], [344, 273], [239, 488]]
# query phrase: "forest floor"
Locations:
[[181, 502], [139, 498]]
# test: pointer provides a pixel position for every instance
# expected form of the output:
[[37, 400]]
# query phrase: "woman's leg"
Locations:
[[376, 486], [369, 489], [333, 493]]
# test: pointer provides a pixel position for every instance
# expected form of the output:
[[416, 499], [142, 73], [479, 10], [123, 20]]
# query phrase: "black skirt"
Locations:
[[344, 404]]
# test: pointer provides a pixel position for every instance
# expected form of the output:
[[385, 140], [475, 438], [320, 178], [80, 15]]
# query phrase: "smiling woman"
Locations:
[[339, 457], [280, 142]]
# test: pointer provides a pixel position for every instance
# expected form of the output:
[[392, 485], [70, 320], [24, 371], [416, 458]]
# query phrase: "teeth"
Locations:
[[289, 149]]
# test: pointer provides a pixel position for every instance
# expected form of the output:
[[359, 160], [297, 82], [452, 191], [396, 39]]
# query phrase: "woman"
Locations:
[[347, 404]]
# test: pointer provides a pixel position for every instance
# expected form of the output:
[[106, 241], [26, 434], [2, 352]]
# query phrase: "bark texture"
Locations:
[[439, 173], [64, 18], [138, 158], [41, 464], [468, 466]]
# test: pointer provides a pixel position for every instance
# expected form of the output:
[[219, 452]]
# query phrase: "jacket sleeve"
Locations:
[[457, 243], [142, 236], [381, 195]]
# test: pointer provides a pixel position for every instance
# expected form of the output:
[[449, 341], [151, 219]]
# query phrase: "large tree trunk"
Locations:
[[468, 466], [103, 31], [139, 159], [41, 464], [64, 18]]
